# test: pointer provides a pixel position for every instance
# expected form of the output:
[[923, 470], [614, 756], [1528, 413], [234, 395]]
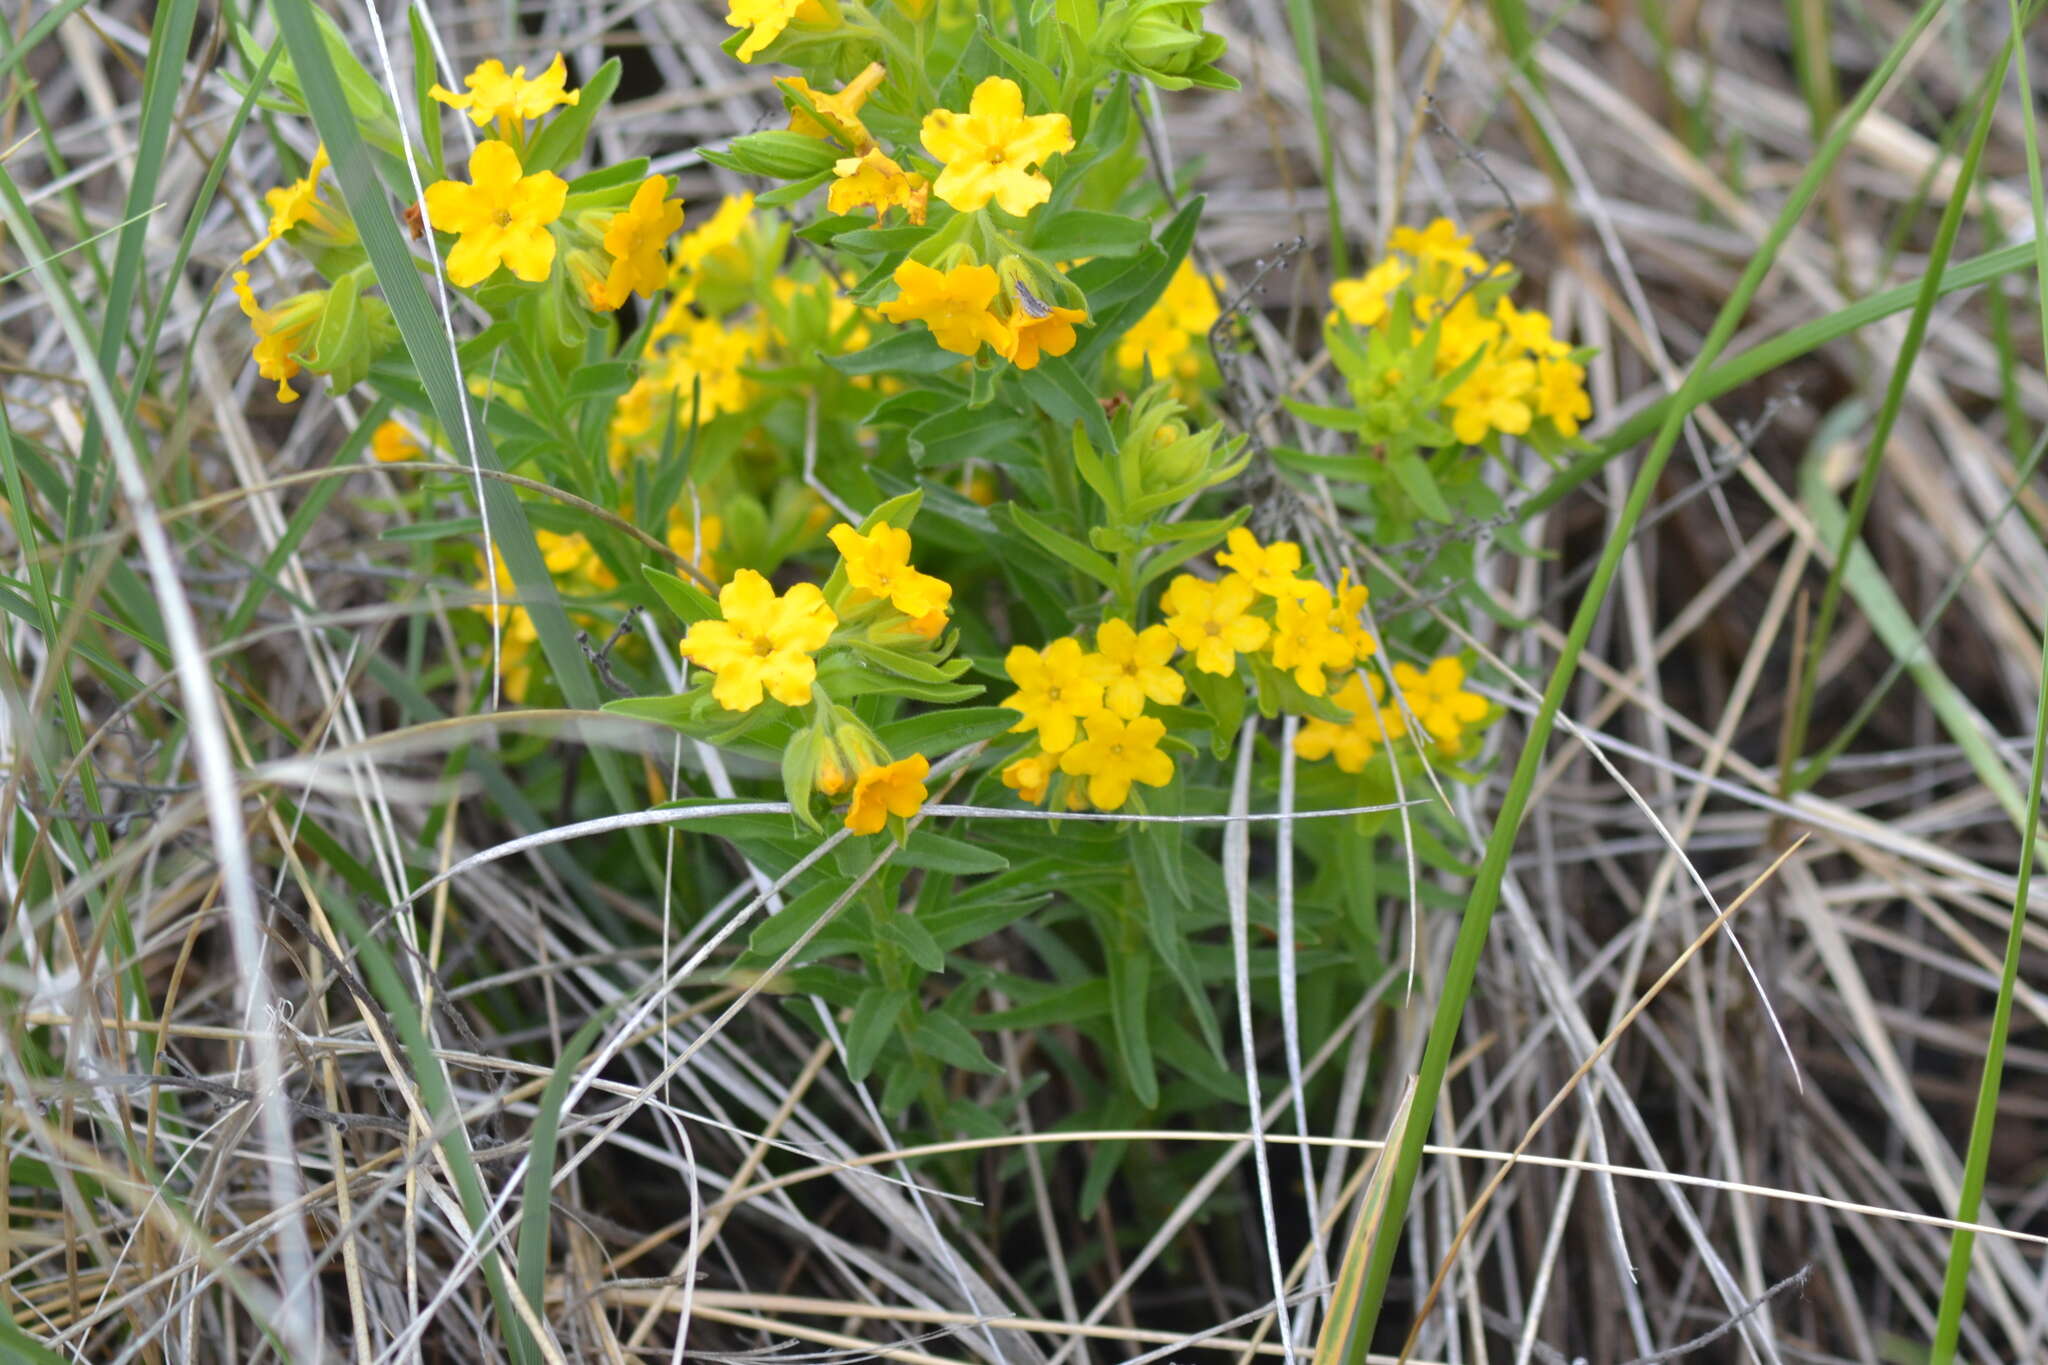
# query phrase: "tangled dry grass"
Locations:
[[719, 1177]]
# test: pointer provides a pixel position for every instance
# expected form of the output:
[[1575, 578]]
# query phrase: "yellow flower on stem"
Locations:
[[1136, 664], [1439, 700], [298, 203], [1048, 330], [1030, 776], [1530, 330], [878, 563], [989, 150], [838, 113], [500, 218], [885, 790], [1561, 395], [1354, 741], [763, 642], [391, 442], [1494, 397], [873, 181], [954, 304], [1117, 753], [1056, 688], [1363, 301], [1164, 337], [634, 238], [1270, 569], [1349, 616], [718, 241], [1463, 333], [767, 19], [510, 98], [1439, 244], [279, 334], [1212, 621], [1308, 638]]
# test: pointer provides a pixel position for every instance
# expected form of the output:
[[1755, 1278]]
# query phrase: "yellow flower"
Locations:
[[518, 646], [764, 641], [1354, 741], [988, 151], [1308, 638], [1349, 616], [634, 238], [1439, 244], [1134, 665], [1030, 776], [767, 19], [1363, 301], [279, 334], [838, 115], [1463, 333], [391, 442], [954, 304], [1117, 753], [500, 218], [695, 549], [573, 557], [1439, 701], [1530, 331], [878, 564], [1055, 689], [888, 789], [1561, 394], [1210, 620], [1494, 397], [871, 180], [510, 99], [297, 203], [707, 361], [1164, 337], [1050, 332], [1270, 569]]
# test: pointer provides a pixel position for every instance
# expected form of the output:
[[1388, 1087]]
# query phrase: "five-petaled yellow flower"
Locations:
[[1117, 753], [1030, 776], [1307, 638], [878, 563], [296, 203], [1056, 688], [885, 790], [1439, 700], [500, 218], [1439, 243], [767, 19], [1136, 664], [1561, 395], [1363, 301], [509, 97], [1494, 397], [874, 181], [634, 238], [764, 642], [1354, 741], [391, 442], [1048, 330], [279, 334], [1212, 621], [1270, 569], [954, 304], [837, 112], [989, 150]]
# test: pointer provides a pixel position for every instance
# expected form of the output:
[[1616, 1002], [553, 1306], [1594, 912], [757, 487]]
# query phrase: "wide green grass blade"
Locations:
[[1478, 914], [1955, 1286]]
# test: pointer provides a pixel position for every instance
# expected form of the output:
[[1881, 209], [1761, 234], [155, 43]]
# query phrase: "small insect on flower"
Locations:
[[954, 304], [510, 98], [1056, 689], [500, 218], [765, 642], [1040, 328], [1117, 753], [1212, 621], [878, 564], [989, 150], [885, 790]]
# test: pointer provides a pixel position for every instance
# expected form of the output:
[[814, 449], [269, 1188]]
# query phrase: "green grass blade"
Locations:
[[1955, 1285], [1478, 915], [1301, 17]]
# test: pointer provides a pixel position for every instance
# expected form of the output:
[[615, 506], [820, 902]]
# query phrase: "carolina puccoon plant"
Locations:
[[915, 453]]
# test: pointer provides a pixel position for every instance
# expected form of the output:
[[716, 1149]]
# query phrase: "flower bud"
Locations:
[[1164, 41]]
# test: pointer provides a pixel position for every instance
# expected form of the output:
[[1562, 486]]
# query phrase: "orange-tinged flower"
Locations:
[[989, 150], [279, 334], [500, 218], [838, 112], [878, 563], [1030, 776], [634, 238], [1135, 665], [391, 442], [1117, 753], [953, 303], [1056, 688], [873, 181], [1212, 621], [764, 642], [1049, 330], [510, 98], [888, 789]]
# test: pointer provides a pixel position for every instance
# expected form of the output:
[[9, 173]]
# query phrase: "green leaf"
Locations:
[[777, 155], [1060, 392], [946, 1038], [1076, 233], [561, 142], [686, 600], [1130, 995], [1417, 482], [916, 942], [874, 1020], [1062, 546], [903, 354], [941, 732], [935, 852]]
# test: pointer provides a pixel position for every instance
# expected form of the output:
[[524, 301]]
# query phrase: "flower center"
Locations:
[[1116, 751], [1052, 694], [995, 156], [503, 218], [1212, 628], [764, 647]]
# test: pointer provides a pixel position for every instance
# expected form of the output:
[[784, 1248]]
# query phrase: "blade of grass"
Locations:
[[1478, 915], [1952, 215], [1301, 17], [1955, 1285]]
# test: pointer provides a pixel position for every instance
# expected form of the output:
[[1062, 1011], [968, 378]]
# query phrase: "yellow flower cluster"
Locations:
[[1523, 374], [1088, 710], [1435, 697], [960, 306], [1165, 337]]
